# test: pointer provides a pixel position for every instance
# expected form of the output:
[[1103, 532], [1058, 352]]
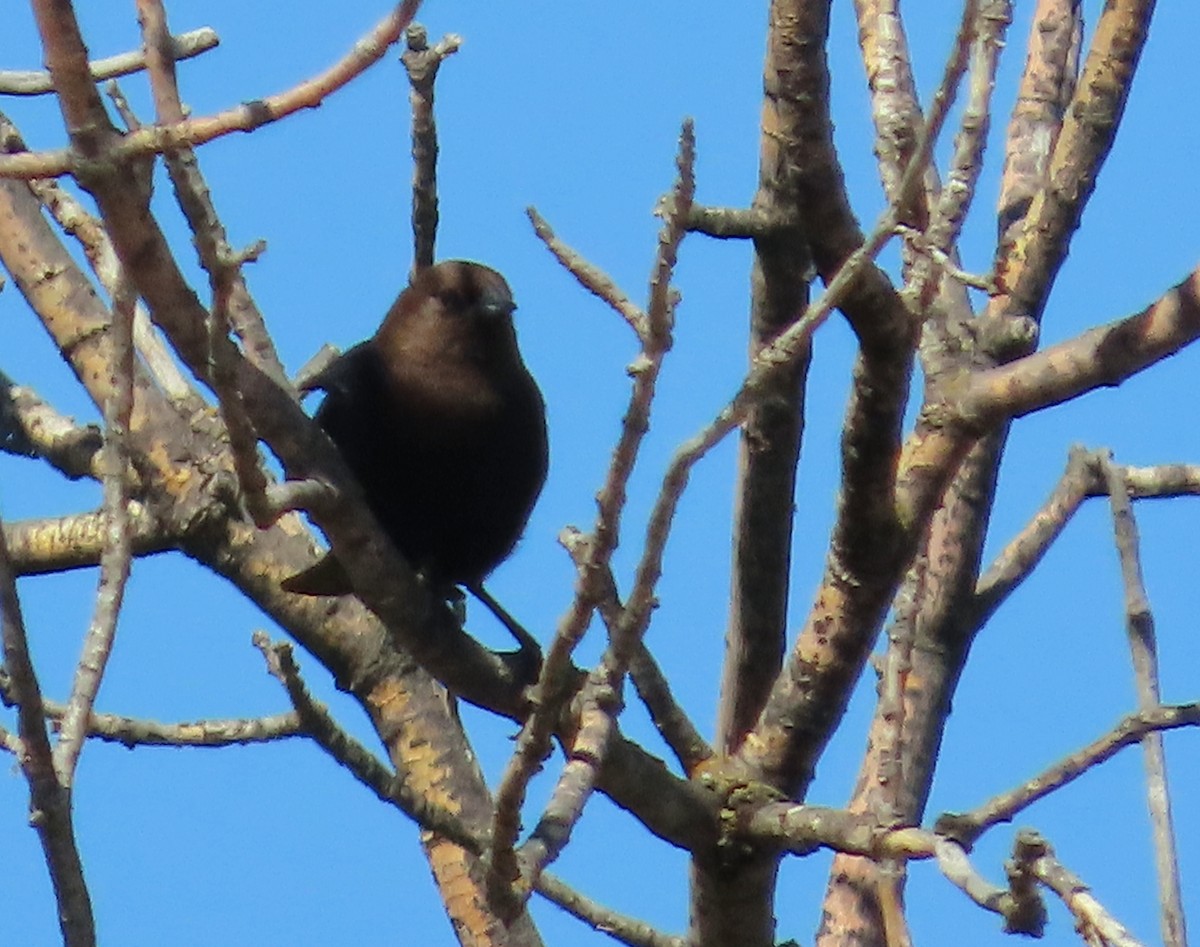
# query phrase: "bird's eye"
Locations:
[[453, 300]]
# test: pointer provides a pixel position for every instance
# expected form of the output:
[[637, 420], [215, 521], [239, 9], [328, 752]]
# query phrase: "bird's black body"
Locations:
[[442, 425]]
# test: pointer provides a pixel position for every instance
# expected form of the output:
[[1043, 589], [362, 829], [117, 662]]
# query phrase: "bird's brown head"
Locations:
[[455, 300]]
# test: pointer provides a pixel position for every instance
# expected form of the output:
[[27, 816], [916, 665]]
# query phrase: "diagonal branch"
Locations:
[[627, 930], [29, 427], [1033, 855], [967, 827], [317, 723], [183, 46], [1024, 551], [1046, 87], [156, 139], [1101, 357]]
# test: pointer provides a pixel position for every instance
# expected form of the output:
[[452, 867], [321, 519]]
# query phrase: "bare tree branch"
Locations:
[[421, 62], [76, 542], [1020, 904], [624, 929], [1024, 551], [600, 697], [590, 277], [184, 46], [1090, 122], [317, 723], [117, 555], [156, 139], [1143, 645], [32, 428], [49, 800], [1094, 923], [966, 827], [1047, 85], [1101, 357]]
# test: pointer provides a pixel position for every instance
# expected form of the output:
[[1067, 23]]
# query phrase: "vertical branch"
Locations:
[[1139, 623], [944, 619], [117, 556], [949, 214], [769, 450], [874, 535], [49, 801], [422, 63]]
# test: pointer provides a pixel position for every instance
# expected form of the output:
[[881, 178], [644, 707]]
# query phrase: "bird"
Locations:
[[444, 428]]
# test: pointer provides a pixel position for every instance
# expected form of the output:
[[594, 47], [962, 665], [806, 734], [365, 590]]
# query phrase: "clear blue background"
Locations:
[[575, 108]]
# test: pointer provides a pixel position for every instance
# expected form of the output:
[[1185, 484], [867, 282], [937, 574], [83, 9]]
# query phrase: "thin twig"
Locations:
[[590, 277], [1023, 911], [966, 163], [669, 719], [1020, 557], [923, 244], [49, 802], [967, 827], [38, 82], [117, 557], [132, 732], [317, 723], [156, 139], [600, 699], [1139, 623], [627, 930]]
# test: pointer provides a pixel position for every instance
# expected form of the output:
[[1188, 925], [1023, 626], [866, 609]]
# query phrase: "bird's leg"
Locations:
[[527, 659], [456, 598]]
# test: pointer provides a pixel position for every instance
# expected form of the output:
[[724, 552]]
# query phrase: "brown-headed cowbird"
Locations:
[[445, 429]]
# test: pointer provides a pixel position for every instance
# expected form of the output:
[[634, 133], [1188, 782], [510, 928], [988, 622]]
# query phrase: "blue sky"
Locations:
[[576, 109]]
